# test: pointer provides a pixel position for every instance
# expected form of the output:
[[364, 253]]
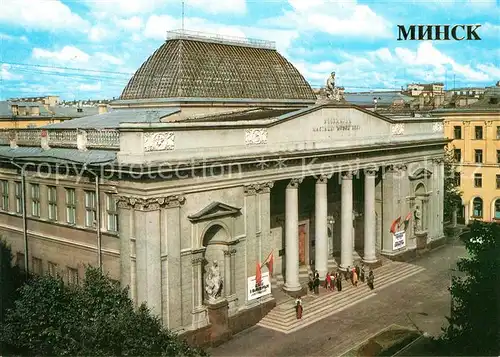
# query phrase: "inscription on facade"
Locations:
[[331, 124]]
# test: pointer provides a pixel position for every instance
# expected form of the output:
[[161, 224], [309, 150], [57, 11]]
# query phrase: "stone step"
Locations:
[[282, 318]]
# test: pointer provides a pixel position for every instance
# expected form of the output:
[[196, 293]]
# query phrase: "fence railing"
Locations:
[[68, 138]]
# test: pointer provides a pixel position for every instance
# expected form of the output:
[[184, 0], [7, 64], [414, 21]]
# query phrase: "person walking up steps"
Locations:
[[316, 284], [298, 308], [328, 281], [339, 282], [362, 273], [354, 278], [370, 280]]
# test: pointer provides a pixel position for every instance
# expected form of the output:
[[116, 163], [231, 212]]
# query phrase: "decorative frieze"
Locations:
[[438, 160], [256, 136], [348, 175], [371, 172], [159, 141], [437, 127], [262, 187], [397, 129], [197, 261], [322, 179], [150, 204]]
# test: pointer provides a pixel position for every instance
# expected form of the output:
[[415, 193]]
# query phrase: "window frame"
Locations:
[[498, 156], [496, 209], [70, 206], [52, 269], [459, 152], [35, 199], [111, 213], [478, 177], [480, 127], [52, 203], [37, 262], [478, 153], [481, 211], [72, 276], [497, 178], [498, 132], [4, 187], [90, 209], [455, 128], [18, 191]]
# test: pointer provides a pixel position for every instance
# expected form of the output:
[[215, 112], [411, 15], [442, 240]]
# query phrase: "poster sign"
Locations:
[[398, 240], [254, 291]]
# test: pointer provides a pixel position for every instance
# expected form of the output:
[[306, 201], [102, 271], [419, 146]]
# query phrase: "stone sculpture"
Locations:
[[417, 219], [213, 282], [332, 92]]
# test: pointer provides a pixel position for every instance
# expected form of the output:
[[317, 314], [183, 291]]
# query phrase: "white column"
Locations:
[[346, 221], [369, 214], [321, 235], [292, 236]]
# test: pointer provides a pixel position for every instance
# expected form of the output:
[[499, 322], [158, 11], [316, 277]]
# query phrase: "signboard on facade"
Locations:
[[255, 291], [398, 240]]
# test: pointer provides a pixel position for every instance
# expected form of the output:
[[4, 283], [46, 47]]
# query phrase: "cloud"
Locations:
[[108, 58], [5, 74], [219, 6], [66, 54], [48, 15], [133, 23], [121, 7], [157, 26], [90, 87], [346, 18], [98, 33], [491, 70], [6, 37]]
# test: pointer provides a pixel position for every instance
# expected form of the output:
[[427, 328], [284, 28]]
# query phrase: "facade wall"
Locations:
[[10, 123], [489, 169]]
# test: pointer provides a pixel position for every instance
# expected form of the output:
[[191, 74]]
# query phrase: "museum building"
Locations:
[[217, 156]]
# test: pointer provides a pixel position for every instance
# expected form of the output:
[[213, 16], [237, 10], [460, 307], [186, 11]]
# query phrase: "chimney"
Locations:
[[103, 108]]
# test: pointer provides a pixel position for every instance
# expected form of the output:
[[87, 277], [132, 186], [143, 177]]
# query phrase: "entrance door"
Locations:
[[302, 244]]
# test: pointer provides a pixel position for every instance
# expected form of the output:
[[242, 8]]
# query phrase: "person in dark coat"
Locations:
[[316, 284], [347, 273], [310, 284], [370, 280], [357, 270], [339, 282], [362, 273]]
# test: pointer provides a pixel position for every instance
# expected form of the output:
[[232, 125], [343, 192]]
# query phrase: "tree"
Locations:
[[96, 318], [452, 193], [474, 322]]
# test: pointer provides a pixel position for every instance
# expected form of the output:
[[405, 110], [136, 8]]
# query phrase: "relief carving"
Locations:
[[295, 182], [256, 136], [437, 127], [397, 129], [262, 187], [150, 204], [159, 141]]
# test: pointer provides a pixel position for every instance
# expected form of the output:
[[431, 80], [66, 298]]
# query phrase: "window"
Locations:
[[35, 200], [497, 209], [4, 187], [477, 205], [478, 132], [112, 213], [478, 156], [52, 269], [478, 180], [90, 209], [498, 156], [70, 206], [37, 266], [72, 276], [20, 261], [498, 182], [52, 199], [498, 132], [457, 132], [457, 154], [19, 197]]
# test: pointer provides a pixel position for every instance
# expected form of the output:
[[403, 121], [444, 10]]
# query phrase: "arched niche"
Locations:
[[214, 243], [495, 209], [477, 206]]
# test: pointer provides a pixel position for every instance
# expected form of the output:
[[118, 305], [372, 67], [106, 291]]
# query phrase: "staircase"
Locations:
[[317, 307]]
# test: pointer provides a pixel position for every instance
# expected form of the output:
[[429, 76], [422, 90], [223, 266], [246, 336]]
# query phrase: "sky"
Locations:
[[89, 49]]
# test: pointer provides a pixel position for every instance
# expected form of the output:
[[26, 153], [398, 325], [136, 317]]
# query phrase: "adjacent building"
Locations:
[[475, 134], [215, 158]]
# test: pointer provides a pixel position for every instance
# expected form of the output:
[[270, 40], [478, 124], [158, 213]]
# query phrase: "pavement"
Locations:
[[421, 302]]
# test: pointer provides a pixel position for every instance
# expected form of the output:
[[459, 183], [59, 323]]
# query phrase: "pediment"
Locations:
[[214, 210], [420, 174]]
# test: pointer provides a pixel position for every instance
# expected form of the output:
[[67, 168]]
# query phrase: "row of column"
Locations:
[[321, 213]]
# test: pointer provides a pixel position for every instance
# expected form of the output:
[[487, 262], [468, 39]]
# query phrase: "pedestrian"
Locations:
[[298, 308], [347, 272], [357, 270], [362, 273], [316, 284], [328, 281], [354, 278], [351, 274], [339, 283], [310, 284], [370, 280], [333, 281]]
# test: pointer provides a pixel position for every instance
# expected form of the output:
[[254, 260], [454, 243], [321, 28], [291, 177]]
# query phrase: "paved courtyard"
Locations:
[[420, 301]]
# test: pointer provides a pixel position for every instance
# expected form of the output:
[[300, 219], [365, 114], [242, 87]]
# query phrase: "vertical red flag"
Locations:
[[258, 275], [270, 264]]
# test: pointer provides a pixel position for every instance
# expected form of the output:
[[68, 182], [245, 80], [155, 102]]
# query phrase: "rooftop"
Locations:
[[195, 66]]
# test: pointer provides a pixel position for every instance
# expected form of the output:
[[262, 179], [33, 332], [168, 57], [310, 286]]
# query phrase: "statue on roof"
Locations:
[[332, 92]]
